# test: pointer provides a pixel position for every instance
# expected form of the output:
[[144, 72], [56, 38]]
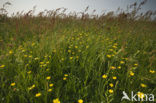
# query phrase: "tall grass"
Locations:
[[76, 57]]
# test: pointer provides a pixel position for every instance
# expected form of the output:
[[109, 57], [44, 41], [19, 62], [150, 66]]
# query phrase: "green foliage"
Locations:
[[92, 59]]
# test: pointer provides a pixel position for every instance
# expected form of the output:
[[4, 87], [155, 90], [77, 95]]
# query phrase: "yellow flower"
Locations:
[[2, 66], [36, 58], [41, 65], [108, 56], [122, 62], [136, 64], [30, 56], [29, 72], [48, 78], [33, 85], [65, 75], [77, 57], [13, 84], [44, 65], [23, 50], [49, 90], [110, 91], [114, 46], [80, 101], [143, 85], [119, 67], [33, 44], [140, 95], [41, 62], [38, 94], [76, 47], [111, 85], [47, 62], [50, 85], [71, 58], [104, 76], [152, 71], [10, 52], [30, 88], [112, 67], [114, 77], [56, 100], [131, 73], [64, 78], [87, 46], [69, 51]]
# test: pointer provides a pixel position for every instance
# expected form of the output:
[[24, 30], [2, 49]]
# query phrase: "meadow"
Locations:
[[59, 58]]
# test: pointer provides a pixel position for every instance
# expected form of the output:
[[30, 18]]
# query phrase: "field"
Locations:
[[49, 59]]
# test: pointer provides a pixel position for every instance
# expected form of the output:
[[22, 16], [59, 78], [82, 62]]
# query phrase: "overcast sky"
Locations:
[[74, 5]]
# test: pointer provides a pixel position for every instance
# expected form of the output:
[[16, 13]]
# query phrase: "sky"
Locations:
[[74, 5]]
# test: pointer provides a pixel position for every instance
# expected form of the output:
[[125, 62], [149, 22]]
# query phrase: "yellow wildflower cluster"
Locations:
[[65, 76], [2, 66], [13, 84], [56, 100], [38, 95], [48, 77], [104, 76], [152, 71], [80, 101], [140, 95]]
